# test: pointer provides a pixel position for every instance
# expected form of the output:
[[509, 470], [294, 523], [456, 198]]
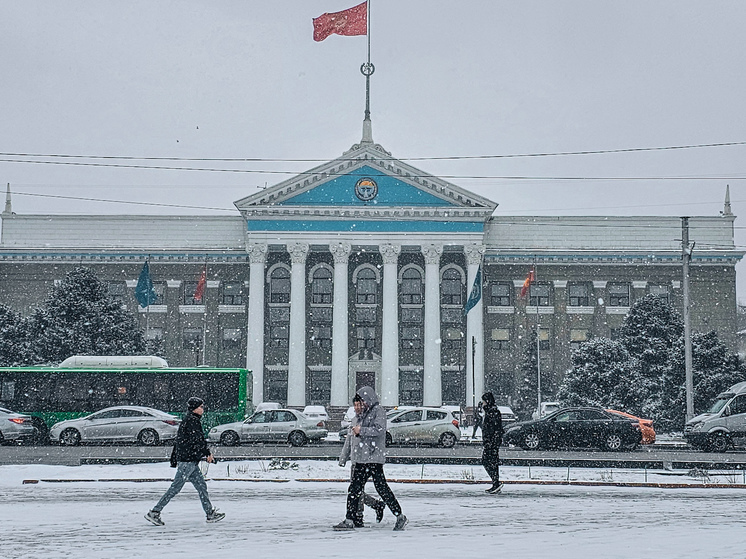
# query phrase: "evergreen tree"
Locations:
[[80, 318], [14, 339], [527, 384], [601, 375]]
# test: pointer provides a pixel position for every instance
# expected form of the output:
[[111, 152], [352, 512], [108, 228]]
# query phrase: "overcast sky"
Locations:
[[244, 79]]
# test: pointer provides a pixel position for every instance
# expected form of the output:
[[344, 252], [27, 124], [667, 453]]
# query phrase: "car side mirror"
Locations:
[[726, 411]]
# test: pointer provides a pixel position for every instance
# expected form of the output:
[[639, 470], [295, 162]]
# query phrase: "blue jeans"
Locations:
[[186, 471]]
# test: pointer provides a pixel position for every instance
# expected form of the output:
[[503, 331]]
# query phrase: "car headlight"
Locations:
[[698, 426]]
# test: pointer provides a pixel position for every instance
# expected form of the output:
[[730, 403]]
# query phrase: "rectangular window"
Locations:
[[160, 292], [321, 291], [321, 336], [366, 337], [619, 295], [578, 295], [410, 337], [411, 316], [544, 340], [192, 338], [452, 338], [410, 388], [577, 337], [279, 314], [500, 294], [189, 288], [660, 291], [501, 339], [452, 316], [8, 391], [232, 293], [365, 315], [279, 335], [231, 338], [154, 333], [539, 295], [450, 292], [321, 314]]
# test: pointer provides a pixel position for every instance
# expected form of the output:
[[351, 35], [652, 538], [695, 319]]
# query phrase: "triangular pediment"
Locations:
[[366, 179]]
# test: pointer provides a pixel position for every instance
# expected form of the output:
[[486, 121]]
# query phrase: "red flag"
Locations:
[[527, 282], [200, 291], [353, 21]]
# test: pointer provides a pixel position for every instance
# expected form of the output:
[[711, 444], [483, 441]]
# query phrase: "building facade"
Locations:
[[358, 271]]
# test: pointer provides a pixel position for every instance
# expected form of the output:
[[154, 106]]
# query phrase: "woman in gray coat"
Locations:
[[367, 453]]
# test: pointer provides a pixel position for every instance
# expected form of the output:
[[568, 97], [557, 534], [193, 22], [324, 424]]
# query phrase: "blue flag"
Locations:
[[145, 292], [476, 292]]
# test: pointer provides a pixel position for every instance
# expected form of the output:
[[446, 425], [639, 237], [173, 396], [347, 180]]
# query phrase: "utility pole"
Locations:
[[686, 256]]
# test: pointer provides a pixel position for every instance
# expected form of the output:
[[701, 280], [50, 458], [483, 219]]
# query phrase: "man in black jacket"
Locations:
[[190, 447], [492, 436]]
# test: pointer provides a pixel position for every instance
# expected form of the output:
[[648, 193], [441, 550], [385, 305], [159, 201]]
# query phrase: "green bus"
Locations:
[[83, 385]]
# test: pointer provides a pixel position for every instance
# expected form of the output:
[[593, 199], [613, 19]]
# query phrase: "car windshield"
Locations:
[[718, 405]]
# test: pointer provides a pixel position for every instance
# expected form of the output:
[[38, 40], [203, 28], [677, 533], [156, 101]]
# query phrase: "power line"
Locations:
[[339, 174], [383, 157]]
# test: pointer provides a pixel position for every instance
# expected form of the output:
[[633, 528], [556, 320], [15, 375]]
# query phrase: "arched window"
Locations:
[[321, 286], [451, 288], [367, 287], [279, 285], [410, 292]]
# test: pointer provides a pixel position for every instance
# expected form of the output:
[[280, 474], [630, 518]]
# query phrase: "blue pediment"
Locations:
[[391, 191]]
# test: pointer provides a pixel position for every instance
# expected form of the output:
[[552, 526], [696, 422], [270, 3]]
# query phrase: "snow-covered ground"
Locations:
[[289, 517]]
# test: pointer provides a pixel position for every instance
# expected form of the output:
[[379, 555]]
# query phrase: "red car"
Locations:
[[646, 426]]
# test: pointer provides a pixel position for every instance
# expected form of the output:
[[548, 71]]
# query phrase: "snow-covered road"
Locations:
[[294, 518]]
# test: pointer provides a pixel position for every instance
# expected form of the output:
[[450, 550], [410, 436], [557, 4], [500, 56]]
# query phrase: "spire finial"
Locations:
[[8, 208], [726, 208]]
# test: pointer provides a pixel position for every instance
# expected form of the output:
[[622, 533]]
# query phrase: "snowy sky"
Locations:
[[244, 79]]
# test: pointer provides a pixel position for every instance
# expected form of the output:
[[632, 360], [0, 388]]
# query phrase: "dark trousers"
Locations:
[[361, 473], [491, 463]]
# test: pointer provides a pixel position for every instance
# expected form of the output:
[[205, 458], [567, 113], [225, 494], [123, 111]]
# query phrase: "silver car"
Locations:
[[15, 427], [270, 426], [422, 426], [146, 426]]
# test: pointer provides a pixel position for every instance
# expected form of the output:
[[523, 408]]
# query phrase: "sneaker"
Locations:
[[401, 522], [215, 516], [380, 509], [495, 489], [345, 525], [154, 517]]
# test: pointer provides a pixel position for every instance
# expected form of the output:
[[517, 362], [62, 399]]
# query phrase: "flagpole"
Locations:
[[147, 309], [367, 70], [204, 315], [538, 351]]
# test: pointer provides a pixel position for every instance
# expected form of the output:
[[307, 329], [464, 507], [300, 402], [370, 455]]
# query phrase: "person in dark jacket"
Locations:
[[190, 447], [492, 436], [367, 453], [477, 420]]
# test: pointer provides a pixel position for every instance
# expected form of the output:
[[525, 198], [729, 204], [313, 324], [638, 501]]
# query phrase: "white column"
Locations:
[[390, 323], [474, 329], [255, 331], [297, 349], [431, 389], [340, 326]]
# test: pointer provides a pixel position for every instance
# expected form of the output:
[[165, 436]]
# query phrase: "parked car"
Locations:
[[271, 425], [140, 424], [508, 416], [422, 426], [316, 412], [576, 427], [646, 426], [723, 424], [15, 427]]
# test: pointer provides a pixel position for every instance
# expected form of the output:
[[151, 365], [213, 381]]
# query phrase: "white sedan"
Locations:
[[422, 426], [146, 426], [272, 425]]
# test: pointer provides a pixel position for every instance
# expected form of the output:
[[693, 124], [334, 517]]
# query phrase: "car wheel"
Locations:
[[389, 439], [297, 438], [531, 441], [448, 440], [229, 438], [719, 442], [70, 437], [613, 442], [147, 437]]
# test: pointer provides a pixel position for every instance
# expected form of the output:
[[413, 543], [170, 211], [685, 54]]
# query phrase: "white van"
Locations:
[[725, 422]]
